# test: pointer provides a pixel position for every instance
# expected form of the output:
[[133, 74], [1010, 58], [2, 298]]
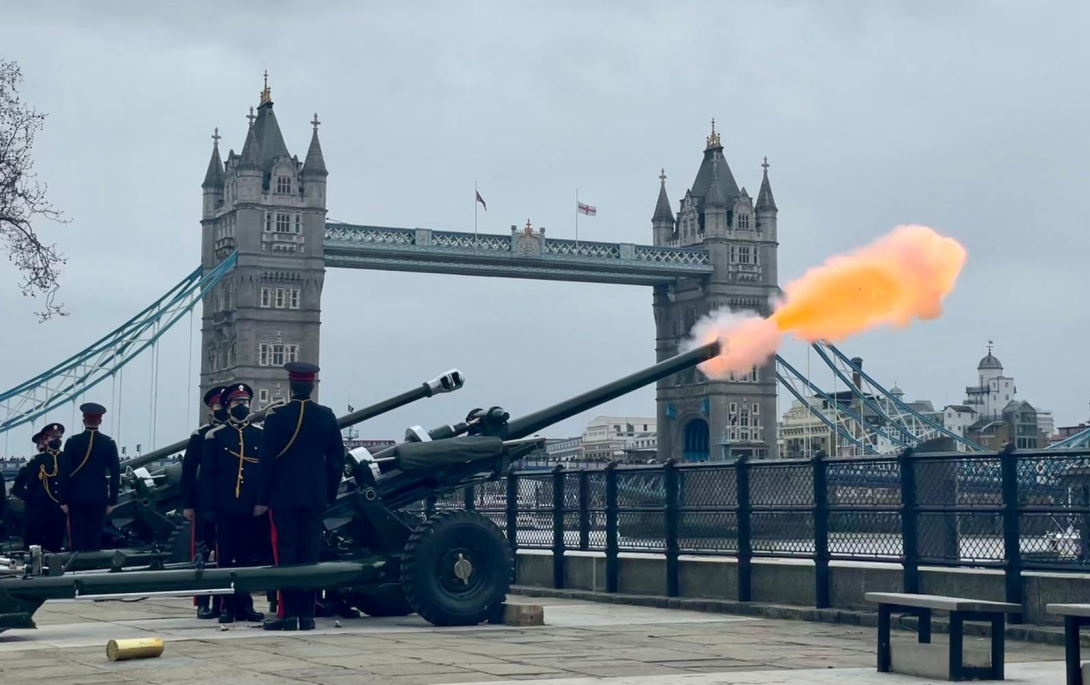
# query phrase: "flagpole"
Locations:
[[577, 220], [475, 214]]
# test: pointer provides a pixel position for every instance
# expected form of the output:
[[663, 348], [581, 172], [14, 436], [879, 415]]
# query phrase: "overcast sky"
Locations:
[[969, 117]]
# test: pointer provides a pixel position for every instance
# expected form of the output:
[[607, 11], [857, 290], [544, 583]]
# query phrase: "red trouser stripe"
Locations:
[[193, 545], [276, 561]]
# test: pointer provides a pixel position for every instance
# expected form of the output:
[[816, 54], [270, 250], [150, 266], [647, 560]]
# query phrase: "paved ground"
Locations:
[[582, 643]]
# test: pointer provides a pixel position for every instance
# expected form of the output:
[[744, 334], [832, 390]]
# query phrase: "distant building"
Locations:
[[620, 438], [564, 449], [371, 445], [1046, 423], [998, 416]]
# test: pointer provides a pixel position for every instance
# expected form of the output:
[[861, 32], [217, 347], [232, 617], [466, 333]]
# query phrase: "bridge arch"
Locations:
[[696, 440]]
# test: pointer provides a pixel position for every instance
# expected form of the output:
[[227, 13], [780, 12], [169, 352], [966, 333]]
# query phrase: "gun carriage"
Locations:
[[453, 567]]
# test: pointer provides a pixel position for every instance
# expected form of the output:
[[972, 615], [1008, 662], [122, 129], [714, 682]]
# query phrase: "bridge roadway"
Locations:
[[581, 644]]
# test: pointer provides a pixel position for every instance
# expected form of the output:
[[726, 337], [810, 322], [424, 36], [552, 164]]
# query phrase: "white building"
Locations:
[[565, 449], [1046, 423], [957, 418], [620, 438], [993, 390]]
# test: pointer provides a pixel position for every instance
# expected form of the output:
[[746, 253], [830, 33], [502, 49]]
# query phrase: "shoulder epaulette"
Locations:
[[257, 426], [198, 431], [210, 433], [270, 411]]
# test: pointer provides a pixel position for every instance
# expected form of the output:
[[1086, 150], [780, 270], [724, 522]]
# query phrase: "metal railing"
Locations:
[[1008, 510]]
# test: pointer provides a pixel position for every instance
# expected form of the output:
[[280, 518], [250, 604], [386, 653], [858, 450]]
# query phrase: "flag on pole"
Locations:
[[587, 209], [481, 200]]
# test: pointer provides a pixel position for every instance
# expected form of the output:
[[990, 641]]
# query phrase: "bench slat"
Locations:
[[1068, 609], [940, 603]]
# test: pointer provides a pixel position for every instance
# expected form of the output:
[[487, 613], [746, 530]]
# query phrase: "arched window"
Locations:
[[283, 185]]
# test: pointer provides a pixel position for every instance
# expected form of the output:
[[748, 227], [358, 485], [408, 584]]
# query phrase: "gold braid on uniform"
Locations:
[[242, 459], [90, 444], [298, 426], [44, 476]]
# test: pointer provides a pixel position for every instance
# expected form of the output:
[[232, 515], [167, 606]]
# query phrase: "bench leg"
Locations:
[[957, 634], [999, 635], [925, 626], [884, 612], [1073, 656]]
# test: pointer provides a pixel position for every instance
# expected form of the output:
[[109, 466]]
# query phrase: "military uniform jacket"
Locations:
[[88, 458], [230, 478], [191, 462], [43, 480], [303, 455]]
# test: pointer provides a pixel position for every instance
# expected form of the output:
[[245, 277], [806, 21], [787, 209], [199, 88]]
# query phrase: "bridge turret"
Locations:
[[766, 212], [700, 418], [662, 223], [314, 171], [213, 180], [266, 312]]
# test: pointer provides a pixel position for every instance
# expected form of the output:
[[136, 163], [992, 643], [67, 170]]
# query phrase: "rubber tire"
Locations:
[[383, 601], [432, 539]]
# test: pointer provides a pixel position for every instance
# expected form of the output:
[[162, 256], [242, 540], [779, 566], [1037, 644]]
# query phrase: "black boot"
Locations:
[[306, 624], [281, 624], [227, 617], [204, 613]]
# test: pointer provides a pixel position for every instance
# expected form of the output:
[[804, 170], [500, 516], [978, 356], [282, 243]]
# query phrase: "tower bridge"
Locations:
[[266, 244]]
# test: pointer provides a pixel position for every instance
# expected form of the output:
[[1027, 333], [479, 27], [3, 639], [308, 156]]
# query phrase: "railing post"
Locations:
[[468, 494], [558, 526], [611, 528], [670, 485], [821, 530], [584, 509], [745, 543], [1008, 465], [909, 522], [429, 505], [512, 506]]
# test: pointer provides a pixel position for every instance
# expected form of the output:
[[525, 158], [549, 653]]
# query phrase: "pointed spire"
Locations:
[[314, 165], [663, 212], [713, 139], [715, 196], [765, 200], [266, 93], [213, 178], [249, 159]]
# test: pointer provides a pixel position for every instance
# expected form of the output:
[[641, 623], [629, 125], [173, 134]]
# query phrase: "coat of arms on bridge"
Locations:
[[529, 243]]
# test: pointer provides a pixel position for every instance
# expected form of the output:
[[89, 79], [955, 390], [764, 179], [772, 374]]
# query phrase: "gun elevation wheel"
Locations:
[[456, 568], [384, 600]]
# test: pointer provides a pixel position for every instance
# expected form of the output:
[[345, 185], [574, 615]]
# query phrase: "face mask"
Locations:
[[55, 444], [240, 412], [220, 414]]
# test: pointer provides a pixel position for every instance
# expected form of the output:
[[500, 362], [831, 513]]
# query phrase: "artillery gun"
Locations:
[[452, 568]]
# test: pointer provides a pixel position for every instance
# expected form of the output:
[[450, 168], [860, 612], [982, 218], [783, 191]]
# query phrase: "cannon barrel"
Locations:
[[532, 423], [448, 382]]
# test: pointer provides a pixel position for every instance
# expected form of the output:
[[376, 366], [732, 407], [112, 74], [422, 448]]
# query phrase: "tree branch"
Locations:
[[23, 198]]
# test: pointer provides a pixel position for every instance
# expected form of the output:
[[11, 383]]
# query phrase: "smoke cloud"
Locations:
[[902, 276]]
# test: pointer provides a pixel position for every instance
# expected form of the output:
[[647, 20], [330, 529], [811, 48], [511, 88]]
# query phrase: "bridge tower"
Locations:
[[700, 418], [271, 208]]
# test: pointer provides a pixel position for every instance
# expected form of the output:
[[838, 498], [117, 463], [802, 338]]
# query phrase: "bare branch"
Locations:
[[23, 198]]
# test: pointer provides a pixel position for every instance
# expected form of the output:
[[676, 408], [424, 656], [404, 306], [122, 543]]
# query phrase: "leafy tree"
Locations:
[[22, 197]]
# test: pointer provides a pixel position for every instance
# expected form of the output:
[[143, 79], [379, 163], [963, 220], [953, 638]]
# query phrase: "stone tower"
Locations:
[[700, 418], [270, 207]]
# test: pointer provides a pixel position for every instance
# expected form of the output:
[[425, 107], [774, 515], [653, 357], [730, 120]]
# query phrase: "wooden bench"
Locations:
[[960, 610], [1075, 617]]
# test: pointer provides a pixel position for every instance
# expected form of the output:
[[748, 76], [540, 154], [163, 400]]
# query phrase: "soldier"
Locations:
[[230, 483], [202, 531], [86, 496], [45, 522], [21, 482], [303, 459]]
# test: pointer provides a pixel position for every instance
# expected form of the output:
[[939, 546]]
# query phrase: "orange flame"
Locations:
[[901, 276]]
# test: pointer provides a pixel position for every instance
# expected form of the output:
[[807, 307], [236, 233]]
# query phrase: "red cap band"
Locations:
[[295, 376], [238, 393]]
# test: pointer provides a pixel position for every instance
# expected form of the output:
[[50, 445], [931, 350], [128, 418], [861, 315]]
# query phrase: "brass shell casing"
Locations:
[[137, 648]]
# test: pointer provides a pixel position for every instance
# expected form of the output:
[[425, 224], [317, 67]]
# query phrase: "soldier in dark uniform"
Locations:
[[22, 479], [45, 522], [231, 483], [86, 496], [202, 531], [303, 459]]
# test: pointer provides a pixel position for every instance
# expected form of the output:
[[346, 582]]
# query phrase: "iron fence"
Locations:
[[1008, 510]]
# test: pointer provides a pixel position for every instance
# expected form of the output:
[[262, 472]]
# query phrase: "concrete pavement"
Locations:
[[581, 643]]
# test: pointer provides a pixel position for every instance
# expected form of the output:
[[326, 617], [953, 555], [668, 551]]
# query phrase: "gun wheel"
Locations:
[[384, 600], [456, 569]]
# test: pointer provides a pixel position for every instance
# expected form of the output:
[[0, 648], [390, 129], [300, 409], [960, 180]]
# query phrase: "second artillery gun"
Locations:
[[453, 567]]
